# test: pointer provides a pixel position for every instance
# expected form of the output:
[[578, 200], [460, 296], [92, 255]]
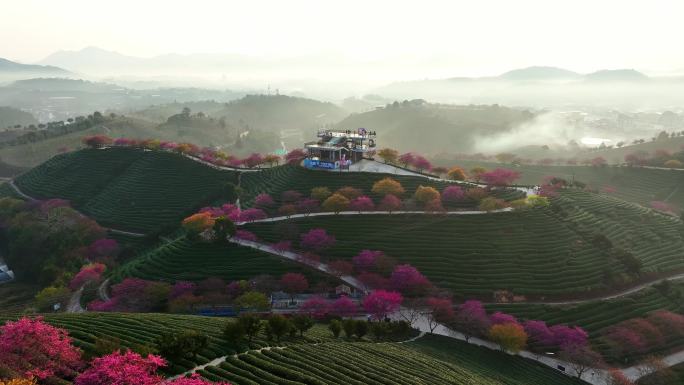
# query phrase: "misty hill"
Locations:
[[430, 128], [207, 130], [94, 60], [63, 84], [252, 123], [539, 73], [279, 112], [10, 117], [51, 99], [620, 75], [159, 113], [10, 70], [547, 87], [89, 59], [30, 148]]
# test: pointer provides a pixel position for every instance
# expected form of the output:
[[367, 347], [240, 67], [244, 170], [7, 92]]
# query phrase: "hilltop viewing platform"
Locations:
[[339, 149]]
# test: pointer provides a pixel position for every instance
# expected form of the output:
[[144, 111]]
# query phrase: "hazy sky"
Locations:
[[439, 38]]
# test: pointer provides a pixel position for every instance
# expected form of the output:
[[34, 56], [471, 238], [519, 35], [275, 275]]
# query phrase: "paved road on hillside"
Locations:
[[74, 305], [352, 281], [623, 293], [472, 212], [594, 376], [102, 290], [384, 168], [398, 212]]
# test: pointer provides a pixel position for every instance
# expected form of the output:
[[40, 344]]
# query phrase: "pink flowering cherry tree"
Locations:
[[362, 203], [33, 348], [317, 240], [381, 303]]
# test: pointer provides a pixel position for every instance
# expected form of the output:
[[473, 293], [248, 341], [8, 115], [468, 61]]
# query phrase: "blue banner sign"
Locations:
[[309, 163]]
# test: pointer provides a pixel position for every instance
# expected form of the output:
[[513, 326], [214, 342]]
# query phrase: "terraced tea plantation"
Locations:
[[133, 330], [183, 260], [6, 191], [596, 315], [15, 296], [514, 370], [384, 363], [128, 189], [471, 255], [276, 180], [656, 239], [633, 184], [538, 252]]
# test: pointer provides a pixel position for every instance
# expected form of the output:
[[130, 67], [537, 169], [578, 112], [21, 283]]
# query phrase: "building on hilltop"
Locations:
[[338, 149]]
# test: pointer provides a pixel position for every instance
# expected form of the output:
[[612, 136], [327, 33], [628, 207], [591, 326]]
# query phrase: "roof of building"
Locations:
[[4, 277]]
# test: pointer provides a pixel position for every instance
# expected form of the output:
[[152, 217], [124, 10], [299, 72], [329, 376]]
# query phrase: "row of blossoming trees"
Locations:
[[389, 196], [206, 154], [138, 295], [496, 177], [31, 351]]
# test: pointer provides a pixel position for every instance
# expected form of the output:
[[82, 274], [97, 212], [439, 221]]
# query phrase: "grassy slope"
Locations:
[[183, 260], [535, 252], [127, 189]]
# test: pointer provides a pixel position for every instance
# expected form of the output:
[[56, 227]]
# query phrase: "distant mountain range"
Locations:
[[537, 73], [10, 70], [94, 60], [97, 61], [539, 86], [546, 87]]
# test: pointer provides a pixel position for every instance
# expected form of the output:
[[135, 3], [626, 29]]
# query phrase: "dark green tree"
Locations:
[[349, 327], [278, 325], [335, 327], [251, 324], [302, 323], [223, 228], [234, 332], [186, 344], [360, 328]]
